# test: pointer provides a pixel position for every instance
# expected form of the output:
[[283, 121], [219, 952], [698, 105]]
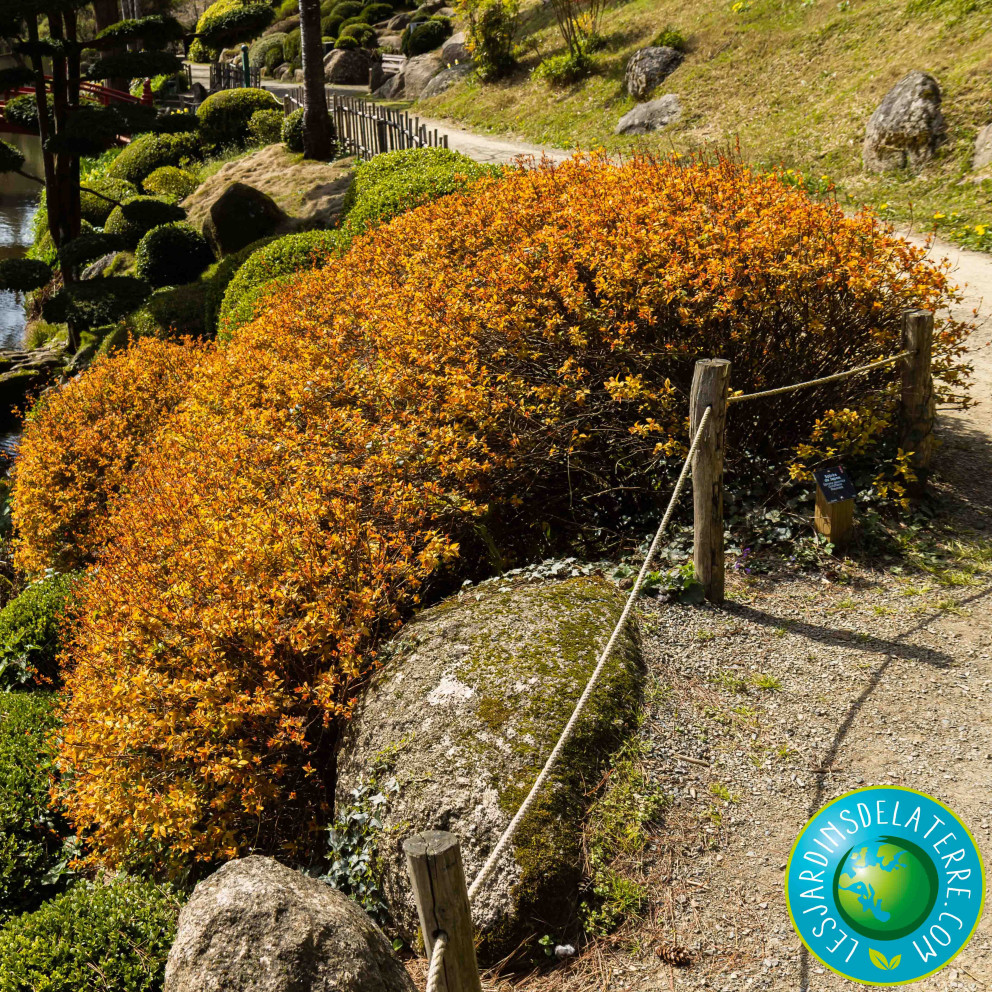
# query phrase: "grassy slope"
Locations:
[[793, 81]]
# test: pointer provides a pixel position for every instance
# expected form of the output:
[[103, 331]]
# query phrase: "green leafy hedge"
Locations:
[[283, 257], [149, 152], [96, 209], [88, 247], [376, 12], [292, 130], [113, 937], [424, 36], [265, 126], [23, 275], [229, 21], [22, 111], [30, 632], [31, 844], [362, 33], [133, 220], [259, 49], [171, 255], [218, 278], [171, 181], [96, 302], [224, 116]]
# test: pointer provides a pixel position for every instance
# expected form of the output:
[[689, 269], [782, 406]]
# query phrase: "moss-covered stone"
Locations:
[[470, 703]]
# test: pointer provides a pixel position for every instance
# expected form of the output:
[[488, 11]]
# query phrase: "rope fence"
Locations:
[[433, 857]]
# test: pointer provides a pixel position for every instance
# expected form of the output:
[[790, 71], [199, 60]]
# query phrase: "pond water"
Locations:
[[18, 203]]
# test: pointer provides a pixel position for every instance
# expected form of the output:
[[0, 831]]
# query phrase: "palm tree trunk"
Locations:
[[317, 142]]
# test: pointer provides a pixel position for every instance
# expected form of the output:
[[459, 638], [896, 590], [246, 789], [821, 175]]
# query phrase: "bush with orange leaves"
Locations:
[[507, 358], [79, 444]]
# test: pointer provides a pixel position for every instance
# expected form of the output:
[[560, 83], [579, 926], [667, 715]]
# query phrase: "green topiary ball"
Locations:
[[30, 632], [22, 111], [265, 126], [224, 116], [346, 9], [362, 33], [120, 931], [423, 37], [171, 255], [292, 131], [31, 832], [96, 209], [23, 275], [346, 43], [172, 182], [376, 12], [132, 220], [148, 152]]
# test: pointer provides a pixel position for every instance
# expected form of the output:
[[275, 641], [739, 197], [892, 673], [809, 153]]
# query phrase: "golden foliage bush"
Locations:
[[509, 356], [80, 443]]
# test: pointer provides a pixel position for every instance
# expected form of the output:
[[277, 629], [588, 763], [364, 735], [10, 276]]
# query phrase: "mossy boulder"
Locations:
[[464, 713], [240, 215]]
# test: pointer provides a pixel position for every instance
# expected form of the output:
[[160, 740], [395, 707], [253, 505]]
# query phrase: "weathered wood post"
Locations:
[[918, 408], [287, 105], [434, 861], [710, 383], [381, 135]]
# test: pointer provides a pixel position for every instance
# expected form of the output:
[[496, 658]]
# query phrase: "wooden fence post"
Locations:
[[287, 105], [434, 861], [918, 408], [710, 383]]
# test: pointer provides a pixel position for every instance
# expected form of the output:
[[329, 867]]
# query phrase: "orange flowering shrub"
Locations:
[[508, 356], [80, 443]]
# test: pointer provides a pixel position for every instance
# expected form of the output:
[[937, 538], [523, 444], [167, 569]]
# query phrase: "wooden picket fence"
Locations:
[[224, 76], [367, 129]]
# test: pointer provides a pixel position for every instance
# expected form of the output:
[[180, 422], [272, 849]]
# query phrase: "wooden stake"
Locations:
[[835, 521], [918, 409], [434, 861], [710, 383]]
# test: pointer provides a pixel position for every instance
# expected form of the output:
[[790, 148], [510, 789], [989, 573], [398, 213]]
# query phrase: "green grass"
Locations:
[[789, 82]]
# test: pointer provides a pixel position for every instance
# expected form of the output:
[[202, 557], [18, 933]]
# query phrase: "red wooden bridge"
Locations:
[[101, 94]]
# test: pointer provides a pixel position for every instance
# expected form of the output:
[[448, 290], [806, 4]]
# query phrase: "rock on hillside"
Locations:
[[982, 158], [348, 67], [652, 116], [464, 715], [409, 83], [907, 126], [257, 926], [239, 216], [447, 78], [649, 68]]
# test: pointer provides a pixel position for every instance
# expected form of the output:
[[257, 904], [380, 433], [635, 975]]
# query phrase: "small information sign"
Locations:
[[835, 483]]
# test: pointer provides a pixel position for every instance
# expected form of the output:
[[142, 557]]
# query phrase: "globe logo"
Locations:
[[885, 885]]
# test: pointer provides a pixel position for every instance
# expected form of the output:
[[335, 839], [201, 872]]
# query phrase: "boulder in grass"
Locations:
[[240, 214], [455, 50], [447, 78], [256, 926], [648, 68], [906, 128], [470, 704], [982, 158], [651, 116], [418, 72], [348, 67]]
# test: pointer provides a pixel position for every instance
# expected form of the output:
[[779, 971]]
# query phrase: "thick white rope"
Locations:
[[819, 382], [437, 959], [511, 829]]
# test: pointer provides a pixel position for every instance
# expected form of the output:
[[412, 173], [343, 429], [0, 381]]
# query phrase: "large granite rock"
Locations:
[[648, 68], [25, 375], [257, 926], [906, 127], [399, 22], [418, 72], [464, 714], [652, 116], [447, 78], [389, 89], [982, 158], [455, 49], [348, 67], [240, 214]]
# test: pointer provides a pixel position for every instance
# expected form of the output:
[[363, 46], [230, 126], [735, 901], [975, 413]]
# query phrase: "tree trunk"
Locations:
[[317, 141]]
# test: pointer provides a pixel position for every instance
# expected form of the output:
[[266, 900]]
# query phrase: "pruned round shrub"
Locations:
[[30, 633], [95, 302], [259, 49], [364, 35], [292, 46], [346, 9], [330, 26], [670, 37], [265, 126], [425, 36], [291, 130], [389, 184], [135, 218], [22, 111], [96, 208], [172, 182], [531, 336], [172, 312], [171, 255], [30, 830], [88, 247], [148, 152], [273, 59], [201, 53], [224, 116], [283, 257], [229, 21], [23, 275], [346, 43], [376, 12], [120, 930], [563, 70], [79, 444]]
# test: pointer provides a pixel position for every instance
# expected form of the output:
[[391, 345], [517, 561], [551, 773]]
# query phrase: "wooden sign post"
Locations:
[[834, 505]]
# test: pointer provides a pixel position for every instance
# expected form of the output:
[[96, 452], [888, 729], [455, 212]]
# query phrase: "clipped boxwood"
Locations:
[[259, 49], [148, 152], [346, 43], [292, 130], [30, 842], [376, 12], [23, 275], [96, 302], [362, 33], [219, 276], [330, 26], [292, 46], [171, 255], [22, 111], [423, 37], [346, 9], [30, 632], [88, 247], [283, 257], [273, 59], [228, 21], [172, 312], [96, 208], [131, 221], [172, 182], [224, 116], [265, 126], [120, 932]]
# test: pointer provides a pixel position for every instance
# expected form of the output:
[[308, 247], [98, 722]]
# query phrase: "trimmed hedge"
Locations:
[[171, 181], [30, 842], [228, 21], [292, 130], [30, 632], [260, 48], [346, 43], [96, 209], [120, 932], [346, 9], [149, 152], [22, 111], [219, 277], [23, 275], [172, 255], [362, 33], [173, 312], [283, 257], [424, 36], [224, 116], [265, 126], [292, 46], [273, 59], [376, 12], [88, 247], [133, 220]]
